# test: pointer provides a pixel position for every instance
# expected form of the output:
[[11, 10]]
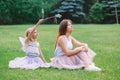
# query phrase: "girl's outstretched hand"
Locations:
[[37, 24], [41, 20]]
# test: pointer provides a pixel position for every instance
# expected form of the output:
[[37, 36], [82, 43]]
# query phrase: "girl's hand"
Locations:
[[84, 49], [86, 45], [79, 48], [41, 20]]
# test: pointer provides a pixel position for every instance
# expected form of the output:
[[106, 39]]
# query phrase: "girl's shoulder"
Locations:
[[62, 37]]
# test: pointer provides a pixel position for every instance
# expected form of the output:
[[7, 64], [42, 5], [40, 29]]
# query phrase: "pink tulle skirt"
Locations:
[[27, 63], [72, 62]]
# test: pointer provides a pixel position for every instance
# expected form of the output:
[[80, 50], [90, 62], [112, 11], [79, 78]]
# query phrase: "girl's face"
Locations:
[[35, 34], [69, 27]]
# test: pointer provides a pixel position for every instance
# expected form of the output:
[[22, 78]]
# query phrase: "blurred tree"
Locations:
[[112, 9], [71, 9], [5, 15], [97, 13], [87, 5], [23, 11], [105, 11]]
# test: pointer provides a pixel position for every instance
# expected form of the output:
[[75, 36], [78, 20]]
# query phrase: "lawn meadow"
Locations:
[[103, 39]]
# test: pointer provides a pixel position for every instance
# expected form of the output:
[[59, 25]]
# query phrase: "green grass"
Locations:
[[103, 39]]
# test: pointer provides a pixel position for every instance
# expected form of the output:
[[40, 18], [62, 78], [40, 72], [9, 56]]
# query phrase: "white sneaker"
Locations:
[[92, 68], [97, 68]]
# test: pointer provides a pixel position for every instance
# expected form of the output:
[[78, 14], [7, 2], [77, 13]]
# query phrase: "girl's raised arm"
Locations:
[[35, 27]]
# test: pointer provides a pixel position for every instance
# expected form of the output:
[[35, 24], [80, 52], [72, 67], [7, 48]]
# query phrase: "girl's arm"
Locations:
[[37, 24], [77, 43], [62, 44], [35, 27], [41, 55]]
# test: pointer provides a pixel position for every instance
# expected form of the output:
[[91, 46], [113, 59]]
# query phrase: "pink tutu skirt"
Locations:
[[72, 62], [28, 63]]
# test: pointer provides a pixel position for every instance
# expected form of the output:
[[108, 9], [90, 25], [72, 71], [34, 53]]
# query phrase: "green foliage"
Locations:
[[104, 12], [29, 11], [70, 9], [5, 15], [26, 11], [112, 11], [87, 5], [23, 11], [97, 13]]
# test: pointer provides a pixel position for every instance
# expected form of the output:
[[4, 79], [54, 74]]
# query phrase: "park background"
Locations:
[[95, 22], [79, 11]]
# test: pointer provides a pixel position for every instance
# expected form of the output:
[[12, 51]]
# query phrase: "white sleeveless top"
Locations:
[[32, 49], [59, 51]]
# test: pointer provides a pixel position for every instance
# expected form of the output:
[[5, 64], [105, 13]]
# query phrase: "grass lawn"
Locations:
[[103, 39]]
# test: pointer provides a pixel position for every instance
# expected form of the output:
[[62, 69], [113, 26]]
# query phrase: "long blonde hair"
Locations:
[[29, 36]]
